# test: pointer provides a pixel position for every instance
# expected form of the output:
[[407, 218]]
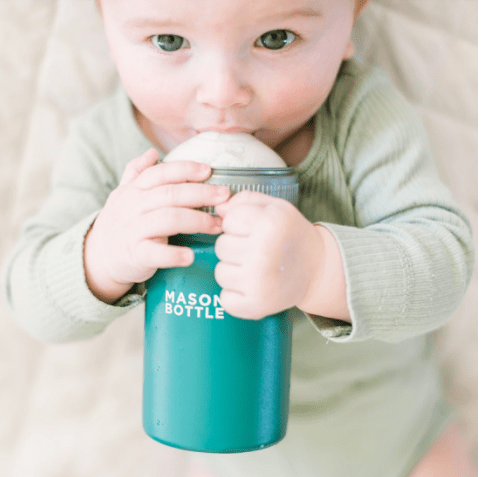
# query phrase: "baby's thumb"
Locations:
[[138, 165]]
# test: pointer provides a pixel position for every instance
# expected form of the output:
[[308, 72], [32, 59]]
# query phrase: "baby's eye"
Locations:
[[170, 42], [276, 39]]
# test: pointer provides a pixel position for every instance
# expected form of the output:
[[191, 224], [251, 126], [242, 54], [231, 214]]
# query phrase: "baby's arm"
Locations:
[[45, 282], [409, 256], [406, 275]]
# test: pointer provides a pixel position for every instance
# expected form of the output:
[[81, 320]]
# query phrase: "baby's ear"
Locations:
[[360, 4]]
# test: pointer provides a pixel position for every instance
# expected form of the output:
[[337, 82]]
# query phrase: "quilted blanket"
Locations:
[[75, 410]]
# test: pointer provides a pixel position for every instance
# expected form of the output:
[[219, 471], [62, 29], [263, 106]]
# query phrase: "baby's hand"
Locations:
[[269, 253], [128, 241]]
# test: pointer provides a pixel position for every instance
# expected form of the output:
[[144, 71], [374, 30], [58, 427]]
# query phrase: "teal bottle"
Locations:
[[212, 382]]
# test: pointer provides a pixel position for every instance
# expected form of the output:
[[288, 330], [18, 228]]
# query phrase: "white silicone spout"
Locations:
[[226, 150]]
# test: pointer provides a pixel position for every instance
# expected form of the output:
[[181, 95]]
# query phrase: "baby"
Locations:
[[376, 256]]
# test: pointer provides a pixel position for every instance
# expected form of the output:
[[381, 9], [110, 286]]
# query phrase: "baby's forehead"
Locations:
[[214, 13], [273, 4]]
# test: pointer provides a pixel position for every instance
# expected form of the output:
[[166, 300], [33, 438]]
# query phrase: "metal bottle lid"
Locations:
[[276, 181]]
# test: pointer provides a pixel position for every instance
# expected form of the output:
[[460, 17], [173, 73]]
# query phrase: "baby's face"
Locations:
[[259, 66]]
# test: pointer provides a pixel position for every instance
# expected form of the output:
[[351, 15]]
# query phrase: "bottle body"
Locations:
[[212, 382]]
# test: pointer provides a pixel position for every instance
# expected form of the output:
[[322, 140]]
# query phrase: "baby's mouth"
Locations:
[[234, 129]]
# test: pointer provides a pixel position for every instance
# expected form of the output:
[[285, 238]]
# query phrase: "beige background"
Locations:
[[74, 410]]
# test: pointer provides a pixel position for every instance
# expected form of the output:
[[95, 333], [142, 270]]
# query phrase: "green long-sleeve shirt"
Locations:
[[406, 247]]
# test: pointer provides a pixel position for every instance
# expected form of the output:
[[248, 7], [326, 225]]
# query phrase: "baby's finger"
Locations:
[[241, 220], [173, 173], [184, 195], [177, 220], [138, 165], [230, 249], [229, 277], [152, 254], [246, 197], [236, 304]]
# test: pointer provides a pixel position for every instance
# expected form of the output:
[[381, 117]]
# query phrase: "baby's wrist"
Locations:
[[99, 282], [314, 267], [326, 292]]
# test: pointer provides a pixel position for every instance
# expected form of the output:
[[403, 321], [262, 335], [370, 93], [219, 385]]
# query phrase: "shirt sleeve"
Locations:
[[409, 258], [45, 280]]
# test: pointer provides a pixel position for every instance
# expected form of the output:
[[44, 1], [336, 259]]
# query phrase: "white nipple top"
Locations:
[[226, 150]]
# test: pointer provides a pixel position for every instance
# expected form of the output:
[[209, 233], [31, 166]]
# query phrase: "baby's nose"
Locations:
[[222, 86]]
